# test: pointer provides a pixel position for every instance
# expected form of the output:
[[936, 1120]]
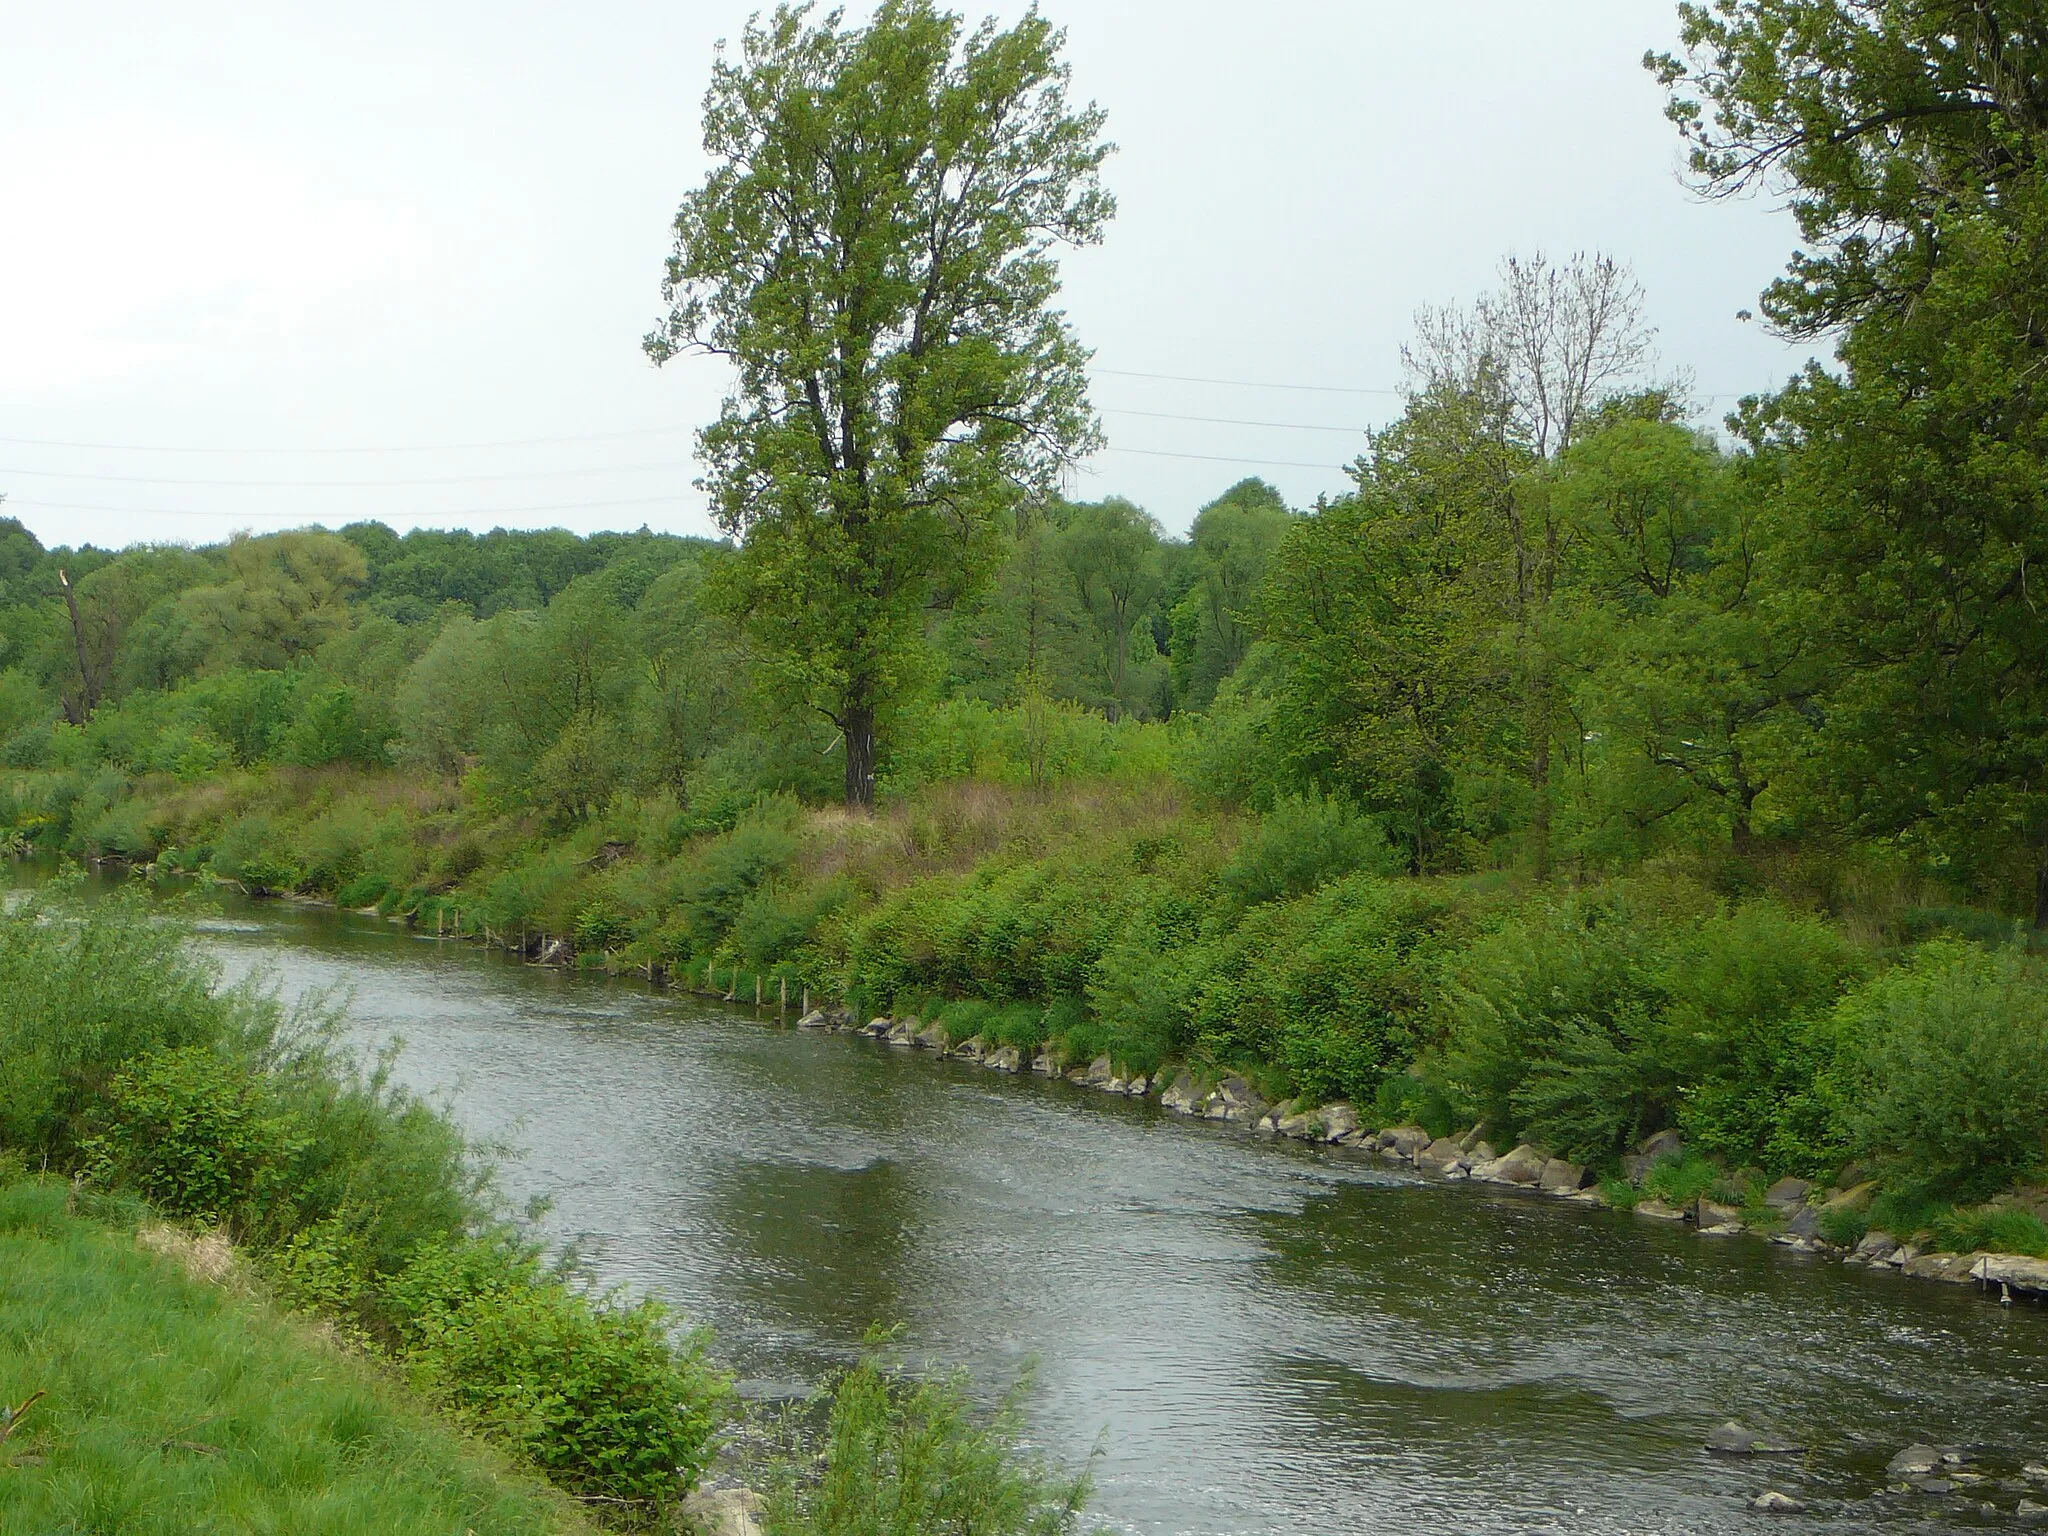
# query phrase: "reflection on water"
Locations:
[[1276, 1340]]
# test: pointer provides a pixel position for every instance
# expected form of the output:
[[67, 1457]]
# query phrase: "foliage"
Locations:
[[589, 1390], [873, 249], [914, 1456], [1950, 1054]]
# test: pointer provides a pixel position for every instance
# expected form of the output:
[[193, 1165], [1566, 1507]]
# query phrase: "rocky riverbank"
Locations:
[[1793, 1213]]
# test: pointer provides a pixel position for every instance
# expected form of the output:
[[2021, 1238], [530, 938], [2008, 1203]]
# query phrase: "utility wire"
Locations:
[[1181, 378], [522, 442], [343, 485], [567, 506], [1217, 458], [1233, 421]]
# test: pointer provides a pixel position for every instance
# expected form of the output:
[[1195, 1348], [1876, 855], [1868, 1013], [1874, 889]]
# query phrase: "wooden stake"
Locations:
[[807, 999], [782, 1006], [757, 989]]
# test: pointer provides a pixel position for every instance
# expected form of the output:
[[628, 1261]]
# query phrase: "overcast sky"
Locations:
[[269, 265]]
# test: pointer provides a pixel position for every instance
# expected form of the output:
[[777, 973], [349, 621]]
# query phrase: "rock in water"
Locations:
[[1772, 1502], [1562, 1178], [1732, 1439], [1523, 1166], [1913, 1461]]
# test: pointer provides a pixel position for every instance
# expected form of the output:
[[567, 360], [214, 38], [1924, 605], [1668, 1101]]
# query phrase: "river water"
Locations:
[[1262, 1337]]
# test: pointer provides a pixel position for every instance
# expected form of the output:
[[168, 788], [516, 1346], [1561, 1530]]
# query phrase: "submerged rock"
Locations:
[[1657, 1210], [1772, 1502], [1733, 1439]]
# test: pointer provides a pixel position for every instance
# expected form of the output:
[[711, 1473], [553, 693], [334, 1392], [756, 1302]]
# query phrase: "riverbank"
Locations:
[[1660, 1180], [152, 1392]]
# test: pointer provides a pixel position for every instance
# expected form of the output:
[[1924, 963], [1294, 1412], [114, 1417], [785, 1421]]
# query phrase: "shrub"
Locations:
[[590, 1390], [912, 1456], [1303, 843], [197, 1134], [85, 998], [1950, 1052]]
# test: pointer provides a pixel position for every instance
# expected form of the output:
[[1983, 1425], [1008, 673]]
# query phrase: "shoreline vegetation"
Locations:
[[362, 1338]]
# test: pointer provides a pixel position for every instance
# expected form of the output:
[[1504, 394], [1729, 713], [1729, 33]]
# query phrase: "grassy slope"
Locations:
[[142, 1364]]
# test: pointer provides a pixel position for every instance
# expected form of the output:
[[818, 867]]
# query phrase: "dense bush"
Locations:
[[1949, 1062], [1305, 842], [1589, 1022], [591, 1391]]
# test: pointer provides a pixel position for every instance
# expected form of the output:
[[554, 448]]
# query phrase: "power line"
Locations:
[[1215, 458], [1318, 389], [1233, 421], [343, 485], [567, 506], [522, 442]]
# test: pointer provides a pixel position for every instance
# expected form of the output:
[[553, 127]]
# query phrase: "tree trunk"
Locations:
[[858, 726], [2041, 891], [88, 690]]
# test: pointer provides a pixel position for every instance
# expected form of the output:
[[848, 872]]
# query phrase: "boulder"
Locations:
[[1857, 1197], [972, 1050], [2032, 1510], [815, 1019], [934, 1037], [1304, 1126], [2010, 1269], [1787, 1193], [1044, 1065], [1182, 1097], [1339, 1120], [1772, 1502], [879, 1027], [1948, 1268], [1099, 1072], [1663, 1144], [1078, 1076], [1237, 1101], [1712, 1213], [902, 1033], [1877, 1247], [1115, 1085], [1473, 1139], [1524, 1167], [1480, 1152], [1913, 1461], [1440, 1154], [1138, 1086], [1404, 1141], [1724, 1229], [1802, 1221], [1657, 1210], [1004, 1058], [1562, 1178]]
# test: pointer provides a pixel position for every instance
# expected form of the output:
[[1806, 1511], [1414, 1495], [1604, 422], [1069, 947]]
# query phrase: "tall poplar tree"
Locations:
[[872, 251]]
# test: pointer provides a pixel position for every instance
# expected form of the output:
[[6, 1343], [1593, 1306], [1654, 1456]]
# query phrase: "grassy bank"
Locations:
[[1787, 1021], [172, 1405], [377, 1346]]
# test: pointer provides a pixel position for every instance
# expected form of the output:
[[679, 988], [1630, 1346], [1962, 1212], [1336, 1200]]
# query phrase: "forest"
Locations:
[[1589, 768]]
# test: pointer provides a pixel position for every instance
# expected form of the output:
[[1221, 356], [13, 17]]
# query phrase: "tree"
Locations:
[[1913, 513], [1525, 368], [873, 253], [1112, 548], [1232, 539]]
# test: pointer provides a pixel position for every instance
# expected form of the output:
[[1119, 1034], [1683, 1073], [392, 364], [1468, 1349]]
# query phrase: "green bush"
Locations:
[[591, 1391], [1303, 843], [198, 1135], [85, 998], [907, 1457], [1950, 1069]]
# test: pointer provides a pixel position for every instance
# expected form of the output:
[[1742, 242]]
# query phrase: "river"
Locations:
[[1263, 1337]]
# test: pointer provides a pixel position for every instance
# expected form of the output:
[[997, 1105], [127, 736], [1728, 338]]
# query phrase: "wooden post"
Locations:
[[757, 989], [782, 1006], [807, 1000]]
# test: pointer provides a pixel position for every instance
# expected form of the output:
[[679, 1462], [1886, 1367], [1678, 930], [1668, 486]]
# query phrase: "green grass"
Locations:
[[175, 1406]]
